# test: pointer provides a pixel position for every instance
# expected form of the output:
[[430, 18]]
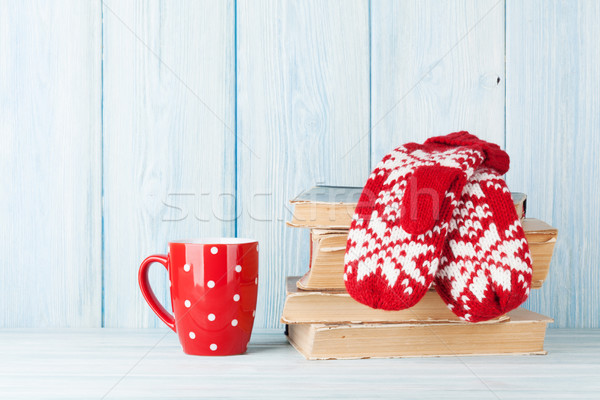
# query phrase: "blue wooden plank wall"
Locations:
[[553, 136], [128, 123], [303, 117], [51, 164], [169, 139]]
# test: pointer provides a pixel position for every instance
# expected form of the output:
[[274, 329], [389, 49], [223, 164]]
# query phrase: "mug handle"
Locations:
[[149, 295]]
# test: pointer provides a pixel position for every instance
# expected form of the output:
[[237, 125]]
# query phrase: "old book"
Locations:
[[327, 250], [303, 307], [523, 334], [333, 206], [541, 238], [520, 202], [329, 246], [325, 206]]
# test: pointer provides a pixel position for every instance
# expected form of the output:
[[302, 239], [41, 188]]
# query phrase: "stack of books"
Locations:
[[324, 322]]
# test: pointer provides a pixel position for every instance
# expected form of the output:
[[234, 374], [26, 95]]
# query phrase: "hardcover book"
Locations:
[[333, 206], [328, 248], [304, 307], [524, 333]]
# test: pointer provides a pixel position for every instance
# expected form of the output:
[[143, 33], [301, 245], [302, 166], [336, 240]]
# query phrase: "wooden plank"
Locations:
[[303, 108], [437, 67], [552, 122], [149, 363], [50, 158], [169, 139]]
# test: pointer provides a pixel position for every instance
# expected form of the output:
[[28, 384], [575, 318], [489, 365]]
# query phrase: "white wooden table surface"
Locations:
[[126, 364]]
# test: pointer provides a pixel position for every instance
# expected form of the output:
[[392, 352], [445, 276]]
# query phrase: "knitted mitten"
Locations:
[[400, 223], [485, 267]]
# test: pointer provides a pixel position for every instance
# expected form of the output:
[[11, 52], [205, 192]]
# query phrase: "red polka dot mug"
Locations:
[[214, 286]]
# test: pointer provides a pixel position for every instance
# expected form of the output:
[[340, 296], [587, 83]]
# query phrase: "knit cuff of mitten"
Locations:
[[495, 157]]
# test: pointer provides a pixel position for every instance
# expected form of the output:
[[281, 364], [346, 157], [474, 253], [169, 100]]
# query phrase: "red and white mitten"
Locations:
[[400, 223], [485, 267]]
